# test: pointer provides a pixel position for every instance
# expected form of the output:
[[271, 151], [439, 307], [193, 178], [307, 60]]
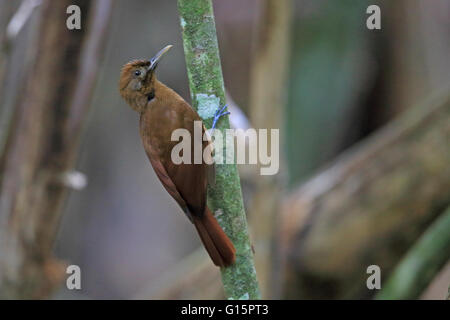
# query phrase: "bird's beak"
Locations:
[[154, 61]]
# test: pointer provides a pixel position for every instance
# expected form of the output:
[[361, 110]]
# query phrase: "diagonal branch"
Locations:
[[369, 206]]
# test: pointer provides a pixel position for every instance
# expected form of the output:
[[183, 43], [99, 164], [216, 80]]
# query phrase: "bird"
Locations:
[[161, 111]]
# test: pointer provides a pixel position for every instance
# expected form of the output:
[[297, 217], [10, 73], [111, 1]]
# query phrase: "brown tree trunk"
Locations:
[[43, 143]]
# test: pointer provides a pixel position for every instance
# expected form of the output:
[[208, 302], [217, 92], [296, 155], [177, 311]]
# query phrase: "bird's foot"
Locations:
[[219, 113]]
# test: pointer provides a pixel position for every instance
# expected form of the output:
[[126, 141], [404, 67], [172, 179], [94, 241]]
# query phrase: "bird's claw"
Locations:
[[218, 114]]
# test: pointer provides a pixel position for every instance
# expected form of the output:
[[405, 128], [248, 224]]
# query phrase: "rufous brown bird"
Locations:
[[162, 111]]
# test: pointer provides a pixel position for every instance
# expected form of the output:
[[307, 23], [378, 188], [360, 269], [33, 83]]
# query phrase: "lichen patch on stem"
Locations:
[[207, 105]]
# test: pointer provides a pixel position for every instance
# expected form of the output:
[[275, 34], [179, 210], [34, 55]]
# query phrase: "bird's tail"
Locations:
[[219, 246]]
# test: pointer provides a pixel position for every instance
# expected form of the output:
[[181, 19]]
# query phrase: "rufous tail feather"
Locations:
[[219, 246]]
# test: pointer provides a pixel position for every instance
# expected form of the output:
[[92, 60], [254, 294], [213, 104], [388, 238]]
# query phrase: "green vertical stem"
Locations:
[[208, 94]]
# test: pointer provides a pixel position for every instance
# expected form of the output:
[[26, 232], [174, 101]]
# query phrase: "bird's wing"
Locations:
[[168, 184], [191, 179], [185, 182]]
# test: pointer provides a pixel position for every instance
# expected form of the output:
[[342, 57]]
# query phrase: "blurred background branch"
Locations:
[[267, 109], [422, 262], [194, 277], [350, 214], [42, 145]]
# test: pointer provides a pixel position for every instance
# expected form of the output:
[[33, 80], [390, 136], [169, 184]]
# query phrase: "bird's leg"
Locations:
[[219, 113]]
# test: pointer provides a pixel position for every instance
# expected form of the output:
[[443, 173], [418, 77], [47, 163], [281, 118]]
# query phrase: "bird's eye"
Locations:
[[137, 73]]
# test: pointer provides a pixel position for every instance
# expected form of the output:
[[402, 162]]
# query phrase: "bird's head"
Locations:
[[137, 80]]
